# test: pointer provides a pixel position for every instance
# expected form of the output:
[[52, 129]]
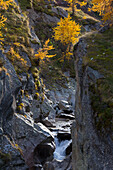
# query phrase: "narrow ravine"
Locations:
[[64, 102]]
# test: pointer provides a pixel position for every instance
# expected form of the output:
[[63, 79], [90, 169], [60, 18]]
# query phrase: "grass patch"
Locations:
[[100, 57], [16, 34]]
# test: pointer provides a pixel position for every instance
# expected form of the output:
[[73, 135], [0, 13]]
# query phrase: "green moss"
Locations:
[[25, 4]]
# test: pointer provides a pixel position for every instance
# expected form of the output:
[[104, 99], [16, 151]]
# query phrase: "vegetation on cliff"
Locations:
[[24, 50], [99, 57]]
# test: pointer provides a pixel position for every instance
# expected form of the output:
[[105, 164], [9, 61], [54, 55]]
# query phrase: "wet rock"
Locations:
[[63, 104], [44, 152], [64, 107], [62, 135], [47, 122], [66, 116], [63, 165], [36, 167], [69, 111], [69, 149]]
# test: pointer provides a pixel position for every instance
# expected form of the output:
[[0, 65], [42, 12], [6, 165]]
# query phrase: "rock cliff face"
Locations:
[[21, 139], [25, 141], [30, 114], [89, 149]]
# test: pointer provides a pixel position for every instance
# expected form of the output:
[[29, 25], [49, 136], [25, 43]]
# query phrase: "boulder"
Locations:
[[47, 109], [35, 140], [35, 109], [63, 105]]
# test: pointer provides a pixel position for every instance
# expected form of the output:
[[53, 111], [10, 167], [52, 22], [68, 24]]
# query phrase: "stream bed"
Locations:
[[63, 101]]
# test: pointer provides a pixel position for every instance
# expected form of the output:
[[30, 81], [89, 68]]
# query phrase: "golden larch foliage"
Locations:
[[73, 4], [104, 7], [16, 58], [67, 31], [44, 52], [3, 5]]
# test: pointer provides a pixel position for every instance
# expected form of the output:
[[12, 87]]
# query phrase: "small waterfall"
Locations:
[[60, 151]]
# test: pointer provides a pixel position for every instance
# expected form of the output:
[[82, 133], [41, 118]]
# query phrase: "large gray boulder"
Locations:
[[47, 109], [35, 140]]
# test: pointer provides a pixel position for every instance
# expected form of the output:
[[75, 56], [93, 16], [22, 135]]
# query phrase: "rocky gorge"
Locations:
[[30, 133], [48, 123]]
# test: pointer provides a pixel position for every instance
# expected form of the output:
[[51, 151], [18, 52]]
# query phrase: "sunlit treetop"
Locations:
[[104, 7], [67, 31]]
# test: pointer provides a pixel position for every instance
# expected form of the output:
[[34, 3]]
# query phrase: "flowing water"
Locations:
[[61, 146]]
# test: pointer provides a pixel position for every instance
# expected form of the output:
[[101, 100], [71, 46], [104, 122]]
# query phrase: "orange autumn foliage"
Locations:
[[104, 7], [67, 32], [44, 52], [73, 4], [3, 5]]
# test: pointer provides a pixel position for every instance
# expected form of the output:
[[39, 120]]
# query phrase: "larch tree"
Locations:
[[73, 4], [43, 53], [3, 5], [104, 7], [67, 32]]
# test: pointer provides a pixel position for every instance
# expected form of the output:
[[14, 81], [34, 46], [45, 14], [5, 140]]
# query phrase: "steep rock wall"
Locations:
[[23, 140], [90, 151]]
